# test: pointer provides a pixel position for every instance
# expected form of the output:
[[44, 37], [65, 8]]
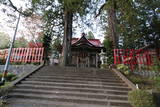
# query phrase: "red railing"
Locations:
[[134, 57], [26, 55]]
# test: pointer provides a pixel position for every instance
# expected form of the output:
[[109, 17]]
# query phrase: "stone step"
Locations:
[[85, 88], [24, 102], [60, 69], [73, 79], [75, 73], [63, 98], [76, 78], [72, 72], [118, 103], [79, 85], [70, 87], [61, 90], [74, 93], [69, 69], [72, 83]]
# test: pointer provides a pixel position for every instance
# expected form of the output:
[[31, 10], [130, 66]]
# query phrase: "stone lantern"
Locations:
[[102, 57]]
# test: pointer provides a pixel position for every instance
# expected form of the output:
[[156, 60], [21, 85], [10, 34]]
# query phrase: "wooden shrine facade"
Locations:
[[85, 52]]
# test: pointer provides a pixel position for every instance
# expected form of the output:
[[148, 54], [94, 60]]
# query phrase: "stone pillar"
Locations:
[[96, 61], [102, 60], [102, 57]]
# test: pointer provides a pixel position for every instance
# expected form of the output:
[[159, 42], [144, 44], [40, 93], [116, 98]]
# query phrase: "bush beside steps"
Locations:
[[141, 98]]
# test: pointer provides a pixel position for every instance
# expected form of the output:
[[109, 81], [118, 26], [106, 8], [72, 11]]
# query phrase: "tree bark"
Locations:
[[112, 22], [66, 50]]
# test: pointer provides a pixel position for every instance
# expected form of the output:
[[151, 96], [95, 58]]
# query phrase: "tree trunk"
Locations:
[[66, 51], [112, 22], [46, 43]]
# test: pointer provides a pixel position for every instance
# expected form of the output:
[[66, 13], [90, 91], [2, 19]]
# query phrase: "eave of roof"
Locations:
[[91, 42]]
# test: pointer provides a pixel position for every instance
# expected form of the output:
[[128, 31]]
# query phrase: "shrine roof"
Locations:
[[93, 42]]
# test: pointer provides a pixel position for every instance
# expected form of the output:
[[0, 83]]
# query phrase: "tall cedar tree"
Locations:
[[60, 13]]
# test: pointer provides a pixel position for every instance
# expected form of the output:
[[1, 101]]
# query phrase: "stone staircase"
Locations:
[[70, 87]]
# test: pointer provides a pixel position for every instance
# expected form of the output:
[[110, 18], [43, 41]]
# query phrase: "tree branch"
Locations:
[[100, 10], [19, 11], [14, 7]]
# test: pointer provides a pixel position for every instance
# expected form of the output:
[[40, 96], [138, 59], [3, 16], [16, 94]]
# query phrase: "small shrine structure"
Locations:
[[86, 52]]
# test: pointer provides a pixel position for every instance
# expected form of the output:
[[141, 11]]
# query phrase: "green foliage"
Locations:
[[75, 6], [36, 63], [104, 66], [137, 22], [20, 42], [2, 61], [109, 47], [39, 39], [141, 98], [47, 38], [144, 67], [156, 66], [128, 27], [57, 45], [157, 82], [10, 77], [55, 16], [4, 89], [18, 63], [3, 92], [136, 80], [123, 68], [122, 18], [4, 40], [90, 35], [148, 13]]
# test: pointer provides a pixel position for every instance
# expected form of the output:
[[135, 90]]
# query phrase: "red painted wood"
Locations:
[[26, 55], [134, 57]]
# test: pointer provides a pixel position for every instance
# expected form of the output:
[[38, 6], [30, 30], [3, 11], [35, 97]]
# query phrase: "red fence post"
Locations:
[[24, 55], [115, 59], [42, 54]]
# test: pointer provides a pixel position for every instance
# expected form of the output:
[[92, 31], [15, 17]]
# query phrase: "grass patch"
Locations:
[[3, 92], [10, 77], [5, 88]]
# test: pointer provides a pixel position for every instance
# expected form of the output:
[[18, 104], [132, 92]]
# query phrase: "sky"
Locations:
[[7, 27]]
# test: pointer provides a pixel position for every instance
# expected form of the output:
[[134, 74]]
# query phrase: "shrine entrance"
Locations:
[[85, 52], [82, 59]]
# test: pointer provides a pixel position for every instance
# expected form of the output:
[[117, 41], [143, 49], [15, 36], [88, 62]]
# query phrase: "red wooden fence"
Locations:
[[134, 57], [26, 55]]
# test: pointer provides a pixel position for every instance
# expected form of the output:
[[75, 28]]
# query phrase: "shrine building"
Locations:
[[86, 52]]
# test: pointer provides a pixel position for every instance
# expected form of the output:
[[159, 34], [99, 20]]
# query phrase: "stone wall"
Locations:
[[19, 69], [147, 73]]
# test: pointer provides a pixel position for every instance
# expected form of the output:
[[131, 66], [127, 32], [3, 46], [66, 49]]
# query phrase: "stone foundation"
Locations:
[[19, 69]]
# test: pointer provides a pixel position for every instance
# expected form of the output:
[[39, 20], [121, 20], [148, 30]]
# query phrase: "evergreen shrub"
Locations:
[[141, 98], [123, 68]]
